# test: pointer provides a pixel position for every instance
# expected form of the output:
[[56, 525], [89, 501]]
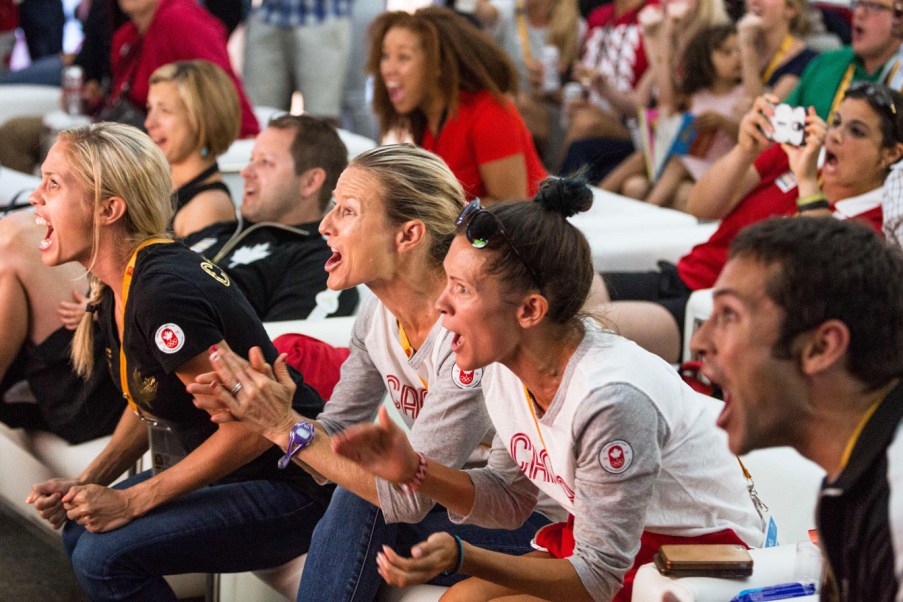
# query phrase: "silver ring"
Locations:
[[235, 389]]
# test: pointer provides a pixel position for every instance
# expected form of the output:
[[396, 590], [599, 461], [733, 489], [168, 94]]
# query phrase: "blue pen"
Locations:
[[783, 591]]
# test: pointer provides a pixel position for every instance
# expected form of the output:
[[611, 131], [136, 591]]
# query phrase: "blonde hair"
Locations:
[[708, 14], [209, 94], [800, 24], [563, 31], [116, 160], [416, 185]]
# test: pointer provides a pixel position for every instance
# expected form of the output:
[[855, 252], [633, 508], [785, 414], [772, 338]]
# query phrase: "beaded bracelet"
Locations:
[[417, 480], [460, 562]]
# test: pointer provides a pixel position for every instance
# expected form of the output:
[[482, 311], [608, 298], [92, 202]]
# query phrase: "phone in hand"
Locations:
[[789, 125]]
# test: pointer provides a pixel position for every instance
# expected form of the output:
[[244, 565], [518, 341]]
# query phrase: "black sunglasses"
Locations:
[[483, 226], [878, 95]]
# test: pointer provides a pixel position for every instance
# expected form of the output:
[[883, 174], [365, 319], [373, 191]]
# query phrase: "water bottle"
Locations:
[[73, 81]]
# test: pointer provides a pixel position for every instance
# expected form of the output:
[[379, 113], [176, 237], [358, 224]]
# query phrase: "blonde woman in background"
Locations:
[[772, 47]]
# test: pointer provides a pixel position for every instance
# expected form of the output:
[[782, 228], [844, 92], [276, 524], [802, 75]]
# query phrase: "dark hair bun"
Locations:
[[567, 196]]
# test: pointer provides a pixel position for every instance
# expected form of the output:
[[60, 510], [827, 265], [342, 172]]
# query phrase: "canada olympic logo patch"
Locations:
[[466, 379], [169, 338], [616, 456]]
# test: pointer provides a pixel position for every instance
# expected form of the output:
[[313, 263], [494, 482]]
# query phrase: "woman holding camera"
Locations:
[[756, 180]]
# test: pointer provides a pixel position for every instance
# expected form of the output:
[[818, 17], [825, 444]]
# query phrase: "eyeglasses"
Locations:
[[483, 226], [870, 7]]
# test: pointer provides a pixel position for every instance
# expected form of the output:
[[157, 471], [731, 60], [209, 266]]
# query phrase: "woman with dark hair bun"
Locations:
[[606, 429]]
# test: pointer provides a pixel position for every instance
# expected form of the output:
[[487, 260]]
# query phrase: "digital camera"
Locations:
[[789, 125]]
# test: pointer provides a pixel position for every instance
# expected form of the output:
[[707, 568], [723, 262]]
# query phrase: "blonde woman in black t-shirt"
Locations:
[[104, 198]]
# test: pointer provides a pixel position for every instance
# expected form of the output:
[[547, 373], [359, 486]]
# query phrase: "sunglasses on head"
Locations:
[[483, 226], [877, 94]]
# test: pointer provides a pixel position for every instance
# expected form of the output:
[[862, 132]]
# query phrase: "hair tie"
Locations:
[[90, 308]]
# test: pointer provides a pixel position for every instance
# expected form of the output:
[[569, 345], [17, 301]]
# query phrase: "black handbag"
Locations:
[[121, 109]]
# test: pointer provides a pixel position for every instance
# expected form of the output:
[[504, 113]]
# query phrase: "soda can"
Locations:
[[73, 80], [551, 80]]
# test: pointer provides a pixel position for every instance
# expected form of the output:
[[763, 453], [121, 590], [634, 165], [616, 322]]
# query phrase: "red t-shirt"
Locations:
[[614, 46], [181, 30], [776, 194], [484, 130]]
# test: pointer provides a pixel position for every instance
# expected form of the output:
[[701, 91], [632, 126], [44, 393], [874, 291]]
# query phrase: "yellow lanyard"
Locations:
[[841, 90], [848, 450], [409, 351], [890, 76], [777, 58], [126, 285], [521, 12], [530, 404]]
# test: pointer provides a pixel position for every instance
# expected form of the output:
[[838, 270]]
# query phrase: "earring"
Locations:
[[204, 152]]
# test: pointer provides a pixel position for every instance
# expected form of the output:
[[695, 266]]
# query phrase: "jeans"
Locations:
[[218, 529], [45, 71], [341, 564]]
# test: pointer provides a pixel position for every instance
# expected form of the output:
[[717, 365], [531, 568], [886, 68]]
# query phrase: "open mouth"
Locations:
[[830, 164], [396, 92], [457, 341], [333, 261], [48, 235], [724, 417]]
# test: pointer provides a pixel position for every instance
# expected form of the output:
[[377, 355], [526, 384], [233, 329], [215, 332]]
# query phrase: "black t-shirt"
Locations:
[[279, 269], [180, 304]]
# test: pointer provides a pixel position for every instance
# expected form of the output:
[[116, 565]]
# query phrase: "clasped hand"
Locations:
[[254, 393], [95, 507]]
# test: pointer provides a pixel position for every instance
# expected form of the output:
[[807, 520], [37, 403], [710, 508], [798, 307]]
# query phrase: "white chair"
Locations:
[[699, 308], [20, 100], [15, 186], [641, 248]]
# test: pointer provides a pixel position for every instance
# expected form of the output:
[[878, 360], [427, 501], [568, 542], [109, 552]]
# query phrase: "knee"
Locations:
[[19, 236], [469, 590], [636, 187], [90, 558]]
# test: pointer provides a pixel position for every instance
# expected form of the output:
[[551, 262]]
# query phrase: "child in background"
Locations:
[[710, 90]]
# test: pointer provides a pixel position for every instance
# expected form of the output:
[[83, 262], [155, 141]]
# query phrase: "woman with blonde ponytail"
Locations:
[[159, 308]]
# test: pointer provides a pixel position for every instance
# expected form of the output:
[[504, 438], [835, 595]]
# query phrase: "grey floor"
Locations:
[[33, 566]]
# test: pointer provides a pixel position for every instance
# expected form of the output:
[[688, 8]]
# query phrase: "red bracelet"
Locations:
[[417, 480]]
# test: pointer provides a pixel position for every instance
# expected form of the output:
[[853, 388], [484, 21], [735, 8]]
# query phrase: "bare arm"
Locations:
[[230, 447], [749, 31], [545, 577], [206, 208], [733, 176], [505, 179]]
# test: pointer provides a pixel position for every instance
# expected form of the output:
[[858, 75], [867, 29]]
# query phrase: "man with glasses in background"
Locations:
[[872, 56]]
